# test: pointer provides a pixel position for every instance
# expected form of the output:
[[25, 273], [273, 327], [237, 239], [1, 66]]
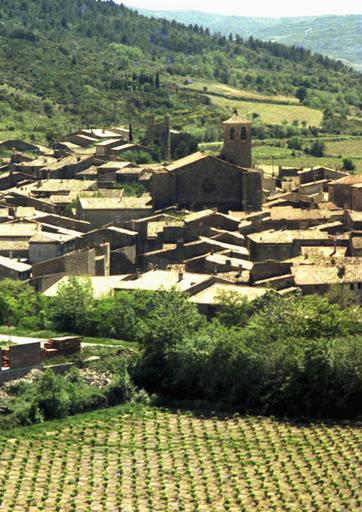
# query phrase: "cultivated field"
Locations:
[[270, 113], [232, 92], [147, 460], [345, 148]]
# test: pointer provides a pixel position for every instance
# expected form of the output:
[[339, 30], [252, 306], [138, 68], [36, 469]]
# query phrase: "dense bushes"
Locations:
[[56, 396], [300, 356], [289, 356], [21, 306]]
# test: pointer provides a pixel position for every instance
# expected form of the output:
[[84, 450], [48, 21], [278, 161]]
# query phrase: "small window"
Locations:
[[232, 133], [351, 286], [243, 134], [359, 286]]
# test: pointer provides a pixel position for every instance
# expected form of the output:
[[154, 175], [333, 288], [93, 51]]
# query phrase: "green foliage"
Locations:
[[57, 396], [280, 355], [335, 36], [137, 157], [137, 65], [122, 388], [54, 401], [276, 355], [317, 148], [122, 316], [295, 143], [73, 304], [20, 305], [233, 309], [348, 164], [301, 93]]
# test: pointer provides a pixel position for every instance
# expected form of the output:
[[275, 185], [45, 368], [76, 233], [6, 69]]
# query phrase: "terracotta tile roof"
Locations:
[[287, 236], [309, 275], [353, 179], [187, 160]]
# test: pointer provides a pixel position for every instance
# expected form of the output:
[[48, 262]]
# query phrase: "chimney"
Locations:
[[180, 276]]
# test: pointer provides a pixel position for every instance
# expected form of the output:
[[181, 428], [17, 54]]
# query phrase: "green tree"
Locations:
[[233, 309], [348, 164], [301, 93], [73, 304], [54, 401], [22, 306], [172, 318], [295, 143], [317, 148]]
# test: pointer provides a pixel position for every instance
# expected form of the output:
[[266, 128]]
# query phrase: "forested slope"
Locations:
[[338, 37], [66, 63]]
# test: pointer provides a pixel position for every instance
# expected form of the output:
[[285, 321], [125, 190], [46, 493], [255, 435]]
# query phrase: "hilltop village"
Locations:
[[205, 223]]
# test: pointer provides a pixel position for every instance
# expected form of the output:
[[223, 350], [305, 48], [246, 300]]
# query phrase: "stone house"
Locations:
[[282, 245], [319, 174], [102, 211], [319, 278], [341, 191], [103, 148], [14, 269]]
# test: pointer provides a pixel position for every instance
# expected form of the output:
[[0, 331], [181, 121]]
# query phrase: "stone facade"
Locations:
[[201, 181], [237, 141]]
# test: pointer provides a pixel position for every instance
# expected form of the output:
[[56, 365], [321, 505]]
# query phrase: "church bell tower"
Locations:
[[237, 141]]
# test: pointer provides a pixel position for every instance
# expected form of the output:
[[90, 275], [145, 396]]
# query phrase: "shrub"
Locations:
[[295, 143], [348, 164], [317, 148], [52, 396]]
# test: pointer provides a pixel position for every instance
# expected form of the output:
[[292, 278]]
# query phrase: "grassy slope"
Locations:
[[133, 458]]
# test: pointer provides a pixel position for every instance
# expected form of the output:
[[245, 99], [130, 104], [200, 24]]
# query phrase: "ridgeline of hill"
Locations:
[[338, 37], [67, 63]]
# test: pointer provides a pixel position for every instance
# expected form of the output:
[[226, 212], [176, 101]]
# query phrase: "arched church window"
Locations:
[[232, 133], [243, 134]]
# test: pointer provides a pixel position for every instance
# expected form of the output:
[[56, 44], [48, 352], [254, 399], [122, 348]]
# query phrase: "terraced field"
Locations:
[[135, 459], [232, 92], [270, 113]]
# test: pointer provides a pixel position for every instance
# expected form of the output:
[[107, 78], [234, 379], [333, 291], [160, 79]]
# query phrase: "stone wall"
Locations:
[[357, 198], [123, 261], [269, 269], [341, 195], [73, 264]]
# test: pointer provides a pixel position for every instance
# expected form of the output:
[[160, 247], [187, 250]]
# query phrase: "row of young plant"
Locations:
[[145, 459], [277, 355]]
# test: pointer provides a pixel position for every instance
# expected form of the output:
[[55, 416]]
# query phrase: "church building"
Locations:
[[202, 181]]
